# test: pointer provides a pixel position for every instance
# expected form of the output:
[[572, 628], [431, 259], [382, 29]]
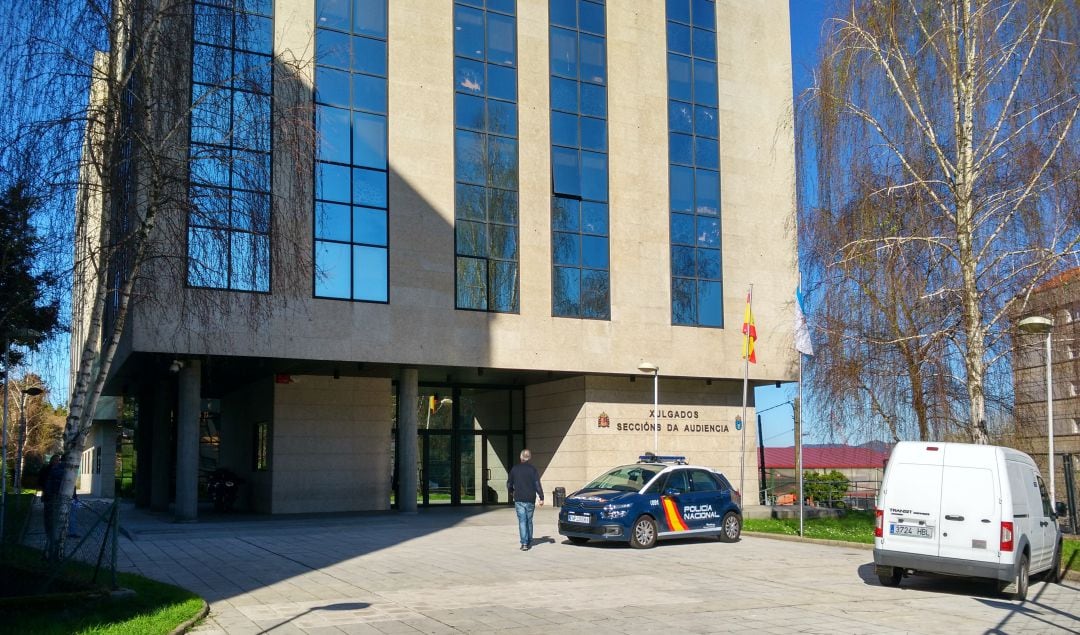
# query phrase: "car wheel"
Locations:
[[1017, 589], [1053, 574], [577, 540], [731, 528], [891, 579], [643, 534]]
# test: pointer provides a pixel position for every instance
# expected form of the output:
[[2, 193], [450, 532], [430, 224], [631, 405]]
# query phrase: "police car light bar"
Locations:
[[649, 457]]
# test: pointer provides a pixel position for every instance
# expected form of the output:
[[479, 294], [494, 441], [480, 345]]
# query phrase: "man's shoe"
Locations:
[[524, 548]]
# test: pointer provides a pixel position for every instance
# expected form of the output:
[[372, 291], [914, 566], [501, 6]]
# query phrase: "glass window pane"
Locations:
[[468, 75], [210, 166], [704, 13], [331, 86], [705, 44], [332, 266], [593, 64], [502, 287], [595, 294], [564, 94], [706, 153], [679, 78], [593, 100], [247, 270], [470, 202], [369, 93], [332, 221], [593, 134], [594, 218], [706, 122], [502, 117], [708, 304], [332, 182], [566, 174], [211, 114], [594, 252], [566, 291], [592, 18], [680, 118], [678, 10], [251, 121], [369, 140], [468, 32], [501, 40], [564, 55], [564, 213], [369, 226], [209, 206], [369, 187], [708, 265], [251, 211], [681, 148], [254, 33], [503, 162], [369, 56], [208, 257], [211, 65], [682, 229], [566, 248], [471, 283], [682, 262], [678, 38], [470, 238], [594, 185], [708, 231], [564, 129], [369, 17], [252, 72], [469, 158], [468, 111], [332, 13], [705, 82], [369, 273], [502, 6], [213, 25], [502, 82], [707, 192], [251, 170], [332, 126], [332, 49], [564, 13], [503, 242], [682, 189], [503, 206], [683, 301]]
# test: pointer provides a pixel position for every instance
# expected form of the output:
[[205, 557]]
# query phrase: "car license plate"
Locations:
[[918, 531], [576, 518]]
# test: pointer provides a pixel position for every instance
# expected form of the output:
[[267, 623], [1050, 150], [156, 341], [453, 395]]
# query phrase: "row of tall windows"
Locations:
[[694, 164], [231, 74], [486, 155], [351, 173], [581, 277]]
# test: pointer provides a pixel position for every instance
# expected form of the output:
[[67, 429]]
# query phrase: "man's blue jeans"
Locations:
[[525, 524]]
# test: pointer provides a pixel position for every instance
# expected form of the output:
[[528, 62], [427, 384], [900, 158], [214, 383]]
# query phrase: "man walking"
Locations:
[[524, 486]]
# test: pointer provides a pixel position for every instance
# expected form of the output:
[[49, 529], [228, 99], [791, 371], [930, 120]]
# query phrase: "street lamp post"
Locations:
[[646, 367], [1040, 324], [31, 391]]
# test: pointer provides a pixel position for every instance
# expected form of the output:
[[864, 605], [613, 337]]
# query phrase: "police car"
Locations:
[[658, 497]]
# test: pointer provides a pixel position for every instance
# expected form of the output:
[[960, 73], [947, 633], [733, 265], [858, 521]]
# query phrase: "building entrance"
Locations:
[[467, 440]]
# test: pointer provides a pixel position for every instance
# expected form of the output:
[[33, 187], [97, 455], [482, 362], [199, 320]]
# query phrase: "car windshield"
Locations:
[[628, 478]]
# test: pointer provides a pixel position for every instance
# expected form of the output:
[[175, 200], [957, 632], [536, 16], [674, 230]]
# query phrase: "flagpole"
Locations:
[[745, 385], [798, 446]]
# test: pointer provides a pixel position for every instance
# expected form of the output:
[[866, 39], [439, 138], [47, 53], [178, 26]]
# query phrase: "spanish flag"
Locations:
[[749, 333]]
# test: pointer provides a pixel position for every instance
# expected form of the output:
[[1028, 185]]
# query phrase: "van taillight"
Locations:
[[879, 521], [1006, 536]]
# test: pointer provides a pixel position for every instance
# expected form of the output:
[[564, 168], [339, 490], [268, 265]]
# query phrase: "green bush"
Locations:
[[825, 488]]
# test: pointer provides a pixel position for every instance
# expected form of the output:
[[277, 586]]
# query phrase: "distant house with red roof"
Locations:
[[863, 465]]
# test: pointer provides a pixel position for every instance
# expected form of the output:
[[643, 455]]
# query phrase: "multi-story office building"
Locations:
[[486, 215]]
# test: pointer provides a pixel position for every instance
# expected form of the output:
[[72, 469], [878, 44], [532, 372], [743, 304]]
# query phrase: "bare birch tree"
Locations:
[[940, 184]]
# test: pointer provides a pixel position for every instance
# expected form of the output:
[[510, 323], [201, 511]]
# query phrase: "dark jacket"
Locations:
[[524, 484], [52, 483]]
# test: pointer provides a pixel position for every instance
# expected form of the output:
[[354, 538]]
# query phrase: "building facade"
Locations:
[[432, 233]]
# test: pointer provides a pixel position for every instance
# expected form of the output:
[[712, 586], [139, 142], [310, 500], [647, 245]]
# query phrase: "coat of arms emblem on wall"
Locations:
[[602, 421]]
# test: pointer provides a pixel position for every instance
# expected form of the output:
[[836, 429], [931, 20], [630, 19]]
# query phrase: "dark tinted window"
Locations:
[[702, 481]]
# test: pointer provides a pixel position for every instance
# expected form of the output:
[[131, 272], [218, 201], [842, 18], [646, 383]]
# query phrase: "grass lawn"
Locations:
[[859, 527], [154, 607]]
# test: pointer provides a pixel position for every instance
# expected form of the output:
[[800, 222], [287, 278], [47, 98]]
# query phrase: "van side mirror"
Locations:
[[1060, 509]]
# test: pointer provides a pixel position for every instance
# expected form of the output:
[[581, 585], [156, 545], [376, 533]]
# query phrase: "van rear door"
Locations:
[[970, 513], [910, 502]]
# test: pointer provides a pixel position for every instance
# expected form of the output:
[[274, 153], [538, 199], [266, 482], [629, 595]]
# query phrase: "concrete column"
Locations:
[[187, 441], [144, 434], [161, 445], [408, 393], [106, 480]]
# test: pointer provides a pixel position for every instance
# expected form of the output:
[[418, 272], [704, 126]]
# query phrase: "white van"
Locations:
[[969, 510]]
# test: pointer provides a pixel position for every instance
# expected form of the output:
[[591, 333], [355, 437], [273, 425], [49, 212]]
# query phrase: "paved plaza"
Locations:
[[459, 570]]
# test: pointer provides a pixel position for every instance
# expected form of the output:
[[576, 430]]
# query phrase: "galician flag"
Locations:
[[802, 332], [749, 334]]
